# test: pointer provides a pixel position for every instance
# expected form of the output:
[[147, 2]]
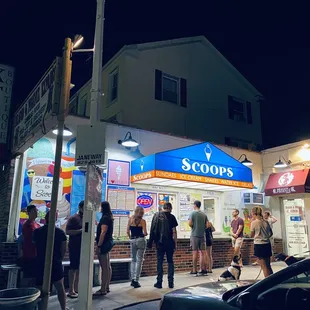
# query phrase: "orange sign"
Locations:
[[189, 178]]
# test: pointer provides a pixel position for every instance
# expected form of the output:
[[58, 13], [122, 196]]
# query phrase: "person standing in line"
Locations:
[[29, 252], [104, 239], [261, 232], [209, 240], [136, 231], [163, 232], [60, 248], [271, 220], [74, 231], [236, 231], [198, 222]]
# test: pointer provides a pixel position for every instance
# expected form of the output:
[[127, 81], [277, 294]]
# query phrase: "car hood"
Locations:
[[210, 289]]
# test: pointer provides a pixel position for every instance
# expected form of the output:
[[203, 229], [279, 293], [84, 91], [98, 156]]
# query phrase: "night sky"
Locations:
[[267, 43]]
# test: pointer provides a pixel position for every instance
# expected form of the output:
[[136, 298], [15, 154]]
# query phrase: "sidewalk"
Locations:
[[123, 294]]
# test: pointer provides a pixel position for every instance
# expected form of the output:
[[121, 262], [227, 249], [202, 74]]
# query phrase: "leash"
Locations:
[[260, 271]]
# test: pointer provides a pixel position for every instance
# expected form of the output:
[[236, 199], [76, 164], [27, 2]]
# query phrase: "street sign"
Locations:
[[90, 145], [35, 116]]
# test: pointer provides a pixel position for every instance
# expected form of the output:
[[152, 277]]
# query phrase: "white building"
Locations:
[[183, 87], [287, 190]]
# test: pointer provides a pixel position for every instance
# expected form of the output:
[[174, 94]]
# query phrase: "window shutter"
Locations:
[[230, 107], [158, 85], [183, 93], [249, 113]]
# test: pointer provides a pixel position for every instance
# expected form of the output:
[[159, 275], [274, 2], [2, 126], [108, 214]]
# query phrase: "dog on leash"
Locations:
[[289, 260], [233, 272]]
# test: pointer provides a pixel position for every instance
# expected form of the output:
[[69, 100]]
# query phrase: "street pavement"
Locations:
[[123, 294]]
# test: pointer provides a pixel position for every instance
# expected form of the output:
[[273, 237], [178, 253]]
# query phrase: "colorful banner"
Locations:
[[37, 181]]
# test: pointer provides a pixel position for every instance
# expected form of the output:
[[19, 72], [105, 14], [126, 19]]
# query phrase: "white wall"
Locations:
[[209, 83]]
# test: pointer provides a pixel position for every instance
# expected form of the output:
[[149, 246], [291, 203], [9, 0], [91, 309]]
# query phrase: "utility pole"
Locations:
[[88, 235], [63, 106]]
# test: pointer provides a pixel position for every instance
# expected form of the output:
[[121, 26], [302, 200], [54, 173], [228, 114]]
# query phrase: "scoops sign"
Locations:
[[145, 201]]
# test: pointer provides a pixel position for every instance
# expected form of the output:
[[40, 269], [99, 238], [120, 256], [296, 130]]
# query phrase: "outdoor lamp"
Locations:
[[78, 39], [128, 141], [245, 162], [282, 164], [67, 132]]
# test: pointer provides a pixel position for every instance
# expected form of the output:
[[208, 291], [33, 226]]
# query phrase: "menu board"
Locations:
[[121, 198], [120, 224], [186, 208]]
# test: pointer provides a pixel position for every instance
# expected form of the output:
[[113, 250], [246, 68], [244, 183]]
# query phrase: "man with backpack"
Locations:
[[164, 234]]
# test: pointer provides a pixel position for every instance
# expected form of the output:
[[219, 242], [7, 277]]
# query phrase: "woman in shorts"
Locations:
[[261, 232], [209, 240]]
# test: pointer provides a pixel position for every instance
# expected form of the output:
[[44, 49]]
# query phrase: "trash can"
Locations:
[[19, 299]]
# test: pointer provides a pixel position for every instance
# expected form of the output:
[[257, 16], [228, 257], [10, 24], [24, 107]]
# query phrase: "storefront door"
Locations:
[[295, 226]]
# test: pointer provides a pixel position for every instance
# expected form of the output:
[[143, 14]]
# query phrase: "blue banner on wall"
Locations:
[[203, 159], [78, 191]]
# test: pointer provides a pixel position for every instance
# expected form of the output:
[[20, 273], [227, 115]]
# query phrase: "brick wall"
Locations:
[[222, 254]]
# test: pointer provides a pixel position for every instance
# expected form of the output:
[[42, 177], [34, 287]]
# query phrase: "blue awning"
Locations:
[[201, 163]]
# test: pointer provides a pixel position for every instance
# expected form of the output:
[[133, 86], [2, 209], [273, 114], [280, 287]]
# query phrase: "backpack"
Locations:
[[160, 229]]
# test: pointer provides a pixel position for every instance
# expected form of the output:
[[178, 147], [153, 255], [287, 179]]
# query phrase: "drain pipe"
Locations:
[[69, 145]]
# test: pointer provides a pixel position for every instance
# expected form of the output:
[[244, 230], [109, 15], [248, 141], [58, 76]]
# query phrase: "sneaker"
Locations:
[[171, 285], [204, 272], [132, 283], [136, 284], [158, 285], [194, 274]]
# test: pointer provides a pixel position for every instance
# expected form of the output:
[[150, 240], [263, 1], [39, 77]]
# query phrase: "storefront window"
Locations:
[[295, 226], [209, 208]]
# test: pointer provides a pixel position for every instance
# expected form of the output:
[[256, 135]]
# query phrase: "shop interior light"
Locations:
[[67, 132], [245, 162], [282, 164], [128, 141]]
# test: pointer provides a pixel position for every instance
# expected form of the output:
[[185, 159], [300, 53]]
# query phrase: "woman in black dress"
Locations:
[[104, 239], [209, 240]]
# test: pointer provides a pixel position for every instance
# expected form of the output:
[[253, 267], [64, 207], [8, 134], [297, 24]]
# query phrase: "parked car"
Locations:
[[289, 288]]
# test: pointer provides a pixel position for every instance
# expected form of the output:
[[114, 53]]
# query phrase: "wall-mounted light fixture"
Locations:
[[245, 161], [67, 132], [282, 164], [128, 141], [304, 152]]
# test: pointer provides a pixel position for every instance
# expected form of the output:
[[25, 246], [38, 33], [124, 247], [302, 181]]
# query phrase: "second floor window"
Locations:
[[113, 85], [170, 89], [239, 110]]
